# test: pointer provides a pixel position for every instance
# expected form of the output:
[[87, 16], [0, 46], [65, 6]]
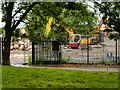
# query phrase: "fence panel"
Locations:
[[46, 52], [102, 53]]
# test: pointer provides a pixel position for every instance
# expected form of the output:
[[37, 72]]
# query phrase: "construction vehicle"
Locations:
[[74, 39], [98, 35], [97, 38]]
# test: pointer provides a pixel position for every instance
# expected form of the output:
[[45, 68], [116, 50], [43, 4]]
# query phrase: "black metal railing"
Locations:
[[47, 52]]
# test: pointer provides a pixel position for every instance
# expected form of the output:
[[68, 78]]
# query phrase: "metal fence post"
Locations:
[[87, 49], [116, 51], [33, 53]]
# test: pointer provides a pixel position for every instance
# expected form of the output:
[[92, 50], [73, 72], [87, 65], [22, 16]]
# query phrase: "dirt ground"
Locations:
[[75, 55]]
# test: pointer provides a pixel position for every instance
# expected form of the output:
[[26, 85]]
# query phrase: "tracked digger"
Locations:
[[76, 39], [98, 35]]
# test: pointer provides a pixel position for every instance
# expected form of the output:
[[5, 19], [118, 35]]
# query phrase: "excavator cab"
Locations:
[[76, 38], [74, 44]]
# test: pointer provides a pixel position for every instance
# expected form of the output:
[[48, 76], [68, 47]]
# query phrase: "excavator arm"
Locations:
[[97, 32], [51, 21], [73, 42], [103, 21], [95, 39], [48, 26], [69, 30]]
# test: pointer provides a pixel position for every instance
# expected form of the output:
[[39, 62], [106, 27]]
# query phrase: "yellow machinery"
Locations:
[[97, 33], [51, 21], [76, 39], [72, 37], [103, 21], [85, 39]]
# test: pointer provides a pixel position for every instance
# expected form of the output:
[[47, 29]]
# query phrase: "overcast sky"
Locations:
[[1, 24]]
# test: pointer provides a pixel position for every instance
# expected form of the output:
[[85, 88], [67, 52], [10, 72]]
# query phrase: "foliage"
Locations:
[[75, 18], [30, 59], [112, 11], [81, 21], [48, 48], [3, 32], [37, 19], [66, 60], [15, 12], [56, 78], [16, 35], [114, 36]]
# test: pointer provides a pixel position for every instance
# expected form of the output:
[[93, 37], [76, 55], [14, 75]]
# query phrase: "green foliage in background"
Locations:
[[78, 18], [112, 11]]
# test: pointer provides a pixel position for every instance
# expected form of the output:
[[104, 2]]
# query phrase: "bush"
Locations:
[[66, 60], [29, 59]]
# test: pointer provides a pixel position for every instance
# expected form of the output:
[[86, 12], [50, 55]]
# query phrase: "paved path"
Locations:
[[19, 57], [73, 68]]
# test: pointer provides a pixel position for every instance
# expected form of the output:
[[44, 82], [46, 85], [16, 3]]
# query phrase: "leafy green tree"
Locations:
[[11, 20], [112, 11], [42, 11], [78, 18], [82, 22]]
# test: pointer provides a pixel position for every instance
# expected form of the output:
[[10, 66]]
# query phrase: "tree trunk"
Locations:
[[9, 28], [6, 51], [8, 32]]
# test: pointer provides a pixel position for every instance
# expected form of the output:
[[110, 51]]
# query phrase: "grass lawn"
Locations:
[[18, 77]]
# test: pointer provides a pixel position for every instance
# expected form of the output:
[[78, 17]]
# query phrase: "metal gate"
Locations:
[[47, 52]]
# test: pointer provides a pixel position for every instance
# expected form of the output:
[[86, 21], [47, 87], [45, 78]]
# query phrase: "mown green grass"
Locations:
[[0, 77], [18, 77]]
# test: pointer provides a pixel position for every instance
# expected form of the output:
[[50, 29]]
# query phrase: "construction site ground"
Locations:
[[18, 57]]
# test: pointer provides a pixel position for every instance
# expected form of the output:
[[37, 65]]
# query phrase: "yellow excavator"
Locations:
[[96, 39], [74, 39], [97, 34]]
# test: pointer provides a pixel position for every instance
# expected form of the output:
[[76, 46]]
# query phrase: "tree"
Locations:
[[37, 19], [75, 18], [81, 21], [111, 10], [12, 20], [11, 23]]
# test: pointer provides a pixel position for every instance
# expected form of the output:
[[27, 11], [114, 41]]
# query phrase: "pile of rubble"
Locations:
[[21, 45]]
